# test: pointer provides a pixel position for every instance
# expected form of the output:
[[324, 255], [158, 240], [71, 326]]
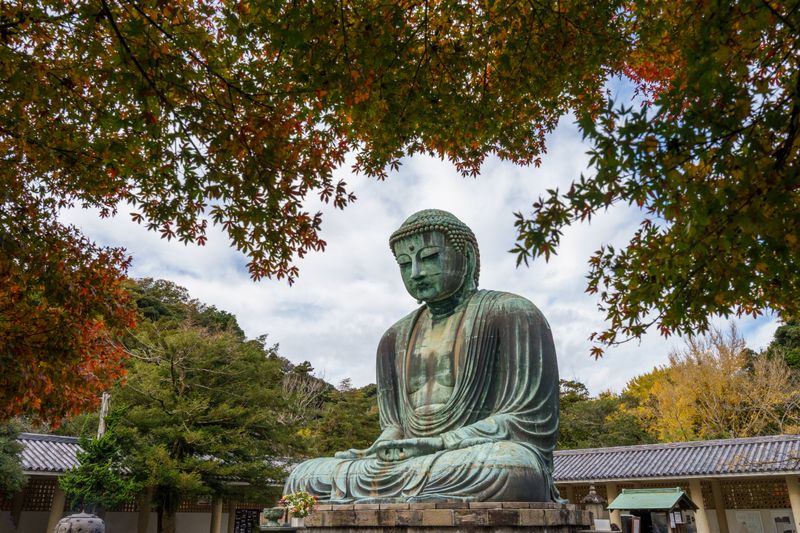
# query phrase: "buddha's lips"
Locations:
[[424, 283]]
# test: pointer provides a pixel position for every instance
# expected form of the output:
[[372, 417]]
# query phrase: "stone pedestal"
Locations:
[[505, 517]]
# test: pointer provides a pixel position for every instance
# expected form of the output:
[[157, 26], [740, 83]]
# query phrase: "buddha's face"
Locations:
[[432, 269]]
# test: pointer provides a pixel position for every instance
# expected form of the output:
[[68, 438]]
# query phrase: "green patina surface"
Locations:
[[467, 388], [652, 499]]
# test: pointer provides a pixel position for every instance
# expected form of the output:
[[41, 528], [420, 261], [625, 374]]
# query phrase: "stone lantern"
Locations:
[[595, 504], [80, 523]]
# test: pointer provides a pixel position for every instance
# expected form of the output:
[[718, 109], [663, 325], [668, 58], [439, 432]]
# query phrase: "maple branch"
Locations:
[[416, 74], [139, 67], [199, 60], [7, 27], [162, 97], [712, 231], [344, 30], [794, 119], [780, 15], [36, 142], [427, 28], [682, 292], [71, 88]]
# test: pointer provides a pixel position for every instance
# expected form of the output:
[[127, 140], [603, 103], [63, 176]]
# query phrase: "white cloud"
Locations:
[[347, 296]]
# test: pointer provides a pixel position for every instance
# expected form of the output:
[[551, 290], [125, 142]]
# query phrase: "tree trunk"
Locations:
[[231, 516], [168, 519]]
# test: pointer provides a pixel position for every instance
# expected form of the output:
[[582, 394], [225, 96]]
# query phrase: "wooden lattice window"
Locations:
[[5, 504], [255, 505], [755, 494], [195, 505], [708, 494], [38, 494], [579, 492], [127, 507]]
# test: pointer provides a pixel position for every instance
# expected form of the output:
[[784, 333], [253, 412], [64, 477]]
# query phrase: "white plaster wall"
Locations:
[[767, 522], [713, 525], [191, 523], [6, 525], [184, 522], [36, 522], [33, 522], [126, 522]]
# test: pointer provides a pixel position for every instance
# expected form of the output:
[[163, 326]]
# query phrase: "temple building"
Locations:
[[41, 503], [746, 485]]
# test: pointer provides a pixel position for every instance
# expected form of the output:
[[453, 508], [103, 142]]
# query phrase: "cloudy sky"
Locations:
[[346, 297]]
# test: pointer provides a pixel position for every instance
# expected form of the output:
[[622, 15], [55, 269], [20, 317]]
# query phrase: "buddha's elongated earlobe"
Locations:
[[470, 279]]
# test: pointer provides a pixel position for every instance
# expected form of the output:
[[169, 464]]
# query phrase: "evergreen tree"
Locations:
[[200, 410], [167, 303], [786, 342], [587, 422], [101, 480], [348, 420], [12, 478], [201, 403]]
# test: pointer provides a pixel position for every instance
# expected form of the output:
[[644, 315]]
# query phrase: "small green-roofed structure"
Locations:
[[653, 500]]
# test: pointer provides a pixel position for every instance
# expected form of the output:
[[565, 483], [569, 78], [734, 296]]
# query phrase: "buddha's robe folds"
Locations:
[[499, 425]]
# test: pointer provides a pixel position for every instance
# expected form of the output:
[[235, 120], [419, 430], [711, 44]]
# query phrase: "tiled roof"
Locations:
[[48, 453], [745, 456]]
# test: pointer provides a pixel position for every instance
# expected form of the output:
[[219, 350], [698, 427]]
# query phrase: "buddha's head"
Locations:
[[438, 256]]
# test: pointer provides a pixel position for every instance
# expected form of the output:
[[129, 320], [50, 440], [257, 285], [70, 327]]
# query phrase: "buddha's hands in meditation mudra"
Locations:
[[396, 449], [401, 449]]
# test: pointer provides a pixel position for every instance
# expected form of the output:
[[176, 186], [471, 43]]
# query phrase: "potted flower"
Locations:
[[299, 505]]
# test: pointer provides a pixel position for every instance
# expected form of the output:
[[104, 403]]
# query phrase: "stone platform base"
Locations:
[[505, 517]]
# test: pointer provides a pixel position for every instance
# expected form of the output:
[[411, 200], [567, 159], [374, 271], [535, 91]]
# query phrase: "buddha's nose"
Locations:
[[417, 272]]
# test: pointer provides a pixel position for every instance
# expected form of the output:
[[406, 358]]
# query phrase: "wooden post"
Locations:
[[143, 519], [231, 516], [16, 507], [794, 498], [569, 494], [696, 494], [719, 506], [56, 508], [101, 425], [216, 515], [612, 493]]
